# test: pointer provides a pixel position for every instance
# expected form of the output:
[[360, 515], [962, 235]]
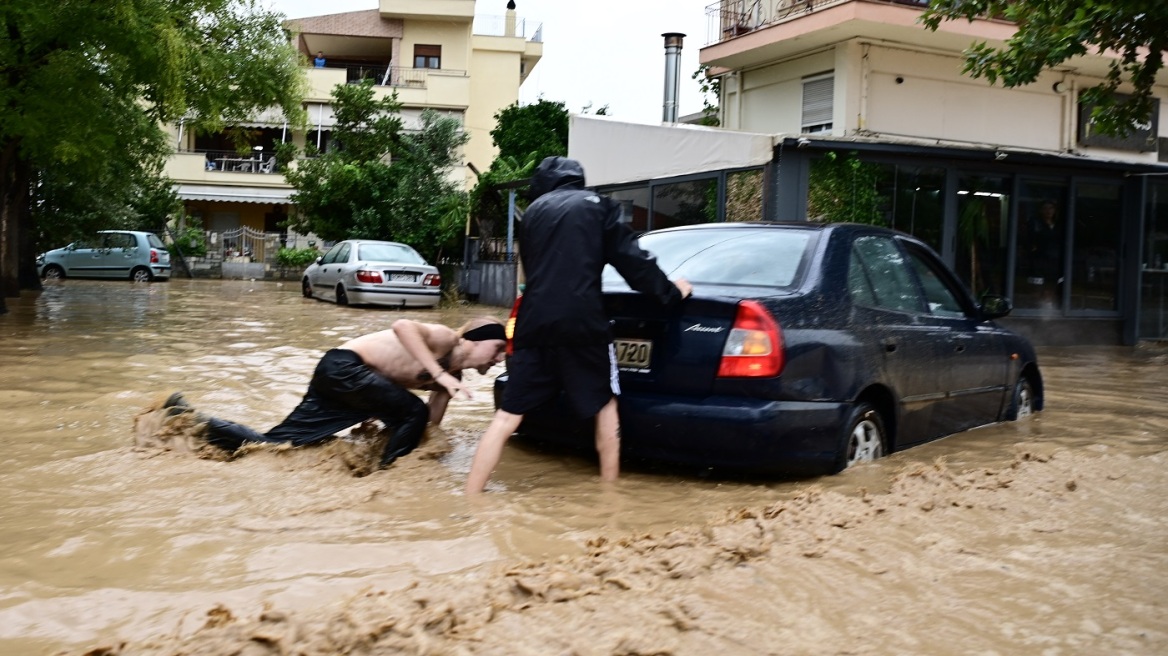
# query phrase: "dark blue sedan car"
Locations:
[[805, 348]]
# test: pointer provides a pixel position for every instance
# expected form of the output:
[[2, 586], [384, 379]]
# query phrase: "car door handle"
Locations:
[[890, 345], [960, 348]]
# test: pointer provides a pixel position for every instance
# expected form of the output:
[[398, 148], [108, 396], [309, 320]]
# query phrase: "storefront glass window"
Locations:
[[918, 206], [983, 232], [1038, 264], [1094, 275], [1154, 272], [634, 207], [744, 196], [685, 203]]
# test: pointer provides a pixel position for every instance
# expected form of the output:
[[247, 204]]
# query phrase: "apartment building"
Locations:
[[434, 54], [858, 101]]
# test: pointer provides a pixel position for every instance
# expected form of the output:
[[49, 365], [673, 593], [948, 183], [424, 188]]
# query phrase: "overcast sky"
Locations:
[[598, 52]]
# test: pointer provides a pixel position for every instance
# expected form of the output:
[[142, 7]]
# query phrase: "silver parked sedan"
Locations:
[[362, 271]]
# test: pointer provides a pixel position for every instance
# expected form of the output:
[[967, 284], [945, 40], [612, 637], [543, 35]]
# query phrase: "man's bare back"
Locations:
[[384, 352]]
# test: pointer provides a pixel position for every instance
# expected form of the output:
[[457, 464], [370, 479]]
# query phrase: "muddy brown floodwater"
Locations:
[[1047, 536]]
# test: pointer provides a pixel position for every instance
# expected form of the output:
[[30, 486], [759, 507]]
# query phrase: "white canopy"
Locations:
[[236, 194], [616, 152]]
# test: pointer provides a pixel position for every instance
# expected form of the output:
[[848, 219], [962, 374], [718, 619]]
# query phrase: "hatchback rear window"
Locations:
[[389, 253], [735, 256], [154, 241]]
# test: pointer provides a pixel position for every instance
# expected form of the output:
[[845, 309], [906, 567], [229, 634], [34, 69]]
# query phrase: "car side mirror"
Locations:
[[320, 259], [994, 306]]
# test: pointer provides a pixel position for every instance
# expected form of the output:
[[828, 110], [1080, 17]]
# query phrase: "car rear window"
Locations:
[[389, 253], [154, 241], [734, 256]]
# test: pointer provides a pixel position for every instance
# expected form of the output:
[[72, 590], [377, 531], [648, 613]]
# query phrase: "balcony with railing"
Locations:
[[508, 26], [727, 19], [438, 87]]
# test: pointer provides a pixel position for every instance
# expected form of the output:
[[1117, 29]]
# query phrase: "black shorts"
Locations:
[[586, 374]]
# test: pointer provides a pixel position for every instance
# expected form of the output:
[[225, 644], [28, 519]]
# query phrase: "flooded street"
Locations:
[[1047, 536]]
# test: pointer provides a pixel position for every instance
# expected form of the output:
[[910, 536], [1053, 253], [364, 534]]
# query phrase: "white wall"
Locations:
[[933, 100], [772, 97]]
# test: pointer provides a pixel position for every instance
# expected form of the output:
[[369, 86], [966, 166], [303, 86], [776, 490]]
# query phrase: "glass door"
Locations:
[[1154, 269], [1093, 274]]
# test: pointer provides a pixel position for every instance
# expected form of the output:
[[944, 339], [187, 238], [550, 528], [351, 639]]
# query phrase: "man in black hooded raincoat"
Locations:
[[562, 340]]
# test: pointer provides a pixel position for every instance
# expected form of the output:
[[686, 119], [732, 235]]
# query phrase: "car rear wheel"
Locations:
[[306, 288], [53, 272], [141, 274], [342, 297], [1023, 405], [863, 438]]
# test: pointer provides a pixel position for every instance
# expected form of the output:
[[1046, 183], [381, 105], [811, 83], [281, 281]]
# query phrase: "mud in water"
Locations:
[[125, 534]]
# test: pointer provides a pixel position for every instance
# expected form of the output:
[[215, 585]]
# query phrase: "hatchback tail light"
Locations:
[[509, 328], [754, 347], [364, 275], [153, 256], [432, 280]]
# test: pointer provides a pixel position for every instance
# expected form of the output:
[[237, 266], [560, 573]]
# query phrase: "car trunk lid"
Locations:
[[670, 351]]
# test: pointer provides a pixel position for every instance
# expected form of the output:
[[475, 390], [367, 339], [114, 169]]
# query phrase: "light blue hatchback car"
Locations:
[[121, 254]]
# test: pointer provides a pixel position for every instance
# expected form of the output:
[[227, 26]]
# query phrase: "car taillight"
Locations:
[[509, 328], [153, 256], [432, 280], [754, 347], [364, 275]]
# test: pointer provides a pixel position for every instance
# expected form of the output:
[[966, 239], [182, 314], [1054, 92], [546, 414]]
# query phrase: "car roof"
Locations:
[[780, 225], [376, 241], [788, 225]]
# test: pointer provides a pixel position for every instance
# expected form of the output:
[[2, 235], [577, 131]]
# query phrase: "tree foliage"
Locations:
[[538, 130], [524, 135], [379, 181], [1051, 32], [709, 86], [85, 88]]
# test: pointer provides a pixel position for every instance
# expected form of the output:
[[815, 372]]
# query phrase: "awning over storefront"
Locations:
[[614, 152], [272, 195]]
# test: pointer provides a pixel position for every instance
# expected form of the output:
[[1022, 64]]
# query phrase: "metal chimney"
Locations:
[[672, 74]]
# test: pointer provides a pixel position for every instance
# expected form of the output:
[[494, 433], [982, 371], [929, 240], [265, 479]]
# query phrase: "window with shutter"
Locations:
[[817, 103], [427, 56]]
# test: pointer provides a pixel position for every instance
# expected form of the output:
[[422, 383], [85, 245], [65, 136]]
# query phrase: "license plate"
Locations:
[[633, 354], [401, 277]]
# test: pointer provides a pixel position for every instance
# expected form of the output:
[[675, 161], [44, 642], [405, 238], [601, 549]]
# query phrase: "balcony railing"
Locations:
[[397, 76], [498, 26], [727, 19]]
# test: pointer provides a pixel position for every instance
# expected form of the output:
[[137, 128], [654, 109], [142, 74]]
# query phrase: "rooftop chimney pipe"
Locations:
[[672, 74]]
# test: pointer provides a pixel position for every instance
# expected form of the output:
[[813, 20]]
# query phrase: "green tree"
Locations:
[[538, 130], [379, 181], [709, 86], [489, 198], [85, 88], [1052, 31]]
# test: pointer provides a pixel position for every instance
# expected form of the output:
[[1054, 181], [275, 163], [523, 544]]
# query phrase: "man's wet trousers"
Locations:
[[343, 392]]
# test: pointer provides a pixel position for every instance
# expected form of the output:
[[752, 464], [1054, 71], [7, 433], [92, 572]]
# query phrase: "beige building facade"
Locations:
[[433, 54]]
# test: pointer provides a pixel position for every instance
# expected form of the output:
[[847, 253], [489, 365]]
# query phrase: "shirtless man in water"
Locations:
[[371, 377]]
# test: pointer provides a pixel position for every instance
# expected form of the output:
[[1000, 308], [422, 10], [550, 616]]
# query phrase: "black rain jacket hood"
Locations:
[[566, 237]]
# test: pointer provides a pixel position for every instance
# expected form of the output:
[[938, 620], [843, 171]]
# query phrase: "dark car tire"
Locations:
[[342, 297], [306, 288], [141, 274], [53, 272], [863, 438], [1022, 405]]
